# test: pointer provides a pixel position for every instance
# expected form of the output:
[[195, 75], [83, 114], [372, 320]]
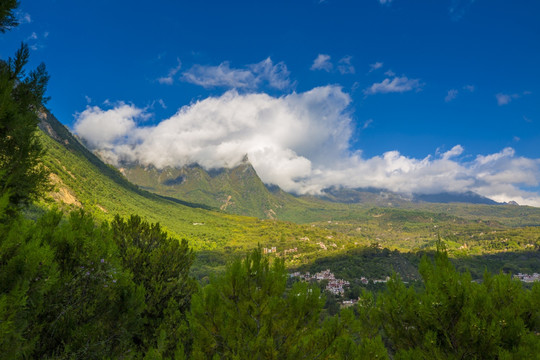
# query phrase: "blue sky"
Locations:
[[406, 91]]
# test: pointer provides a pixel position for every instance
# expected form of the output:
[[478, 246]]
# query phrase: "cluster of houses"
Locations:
[[273, 250], [289, 251], [528, 278], [334, 286], [269, 250]]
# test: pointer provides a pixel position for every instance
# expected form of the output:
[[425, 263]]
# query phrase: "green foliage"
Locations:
[[8, 19], [95, 307], [27, 273], [71, 288], [248, 313], [22, 174], [452, 317], [160, 264]]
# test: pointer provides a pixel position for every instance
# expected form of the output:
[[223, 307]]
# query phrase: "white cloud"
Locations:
[[322, 62], [169, 79], [344, 65], [299, 142], [23, 18], [455, 151], [104, 129], [32, 36], [385, 1], [276, 76], [469, 88], [162, 103], [367, 124], [452, 94], [395, 85], [390, 73], [221, 75], [375, 66], [504, 99]]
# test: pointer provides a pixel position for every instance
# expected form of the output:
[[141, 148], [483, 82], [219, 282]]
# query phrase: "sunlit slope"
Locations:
[[83, 180], [236, 191]]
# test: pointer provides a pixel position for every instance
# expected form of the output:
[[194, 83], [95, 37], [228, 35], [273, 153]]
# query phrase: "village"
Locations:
[[528, 278], [334, 286]]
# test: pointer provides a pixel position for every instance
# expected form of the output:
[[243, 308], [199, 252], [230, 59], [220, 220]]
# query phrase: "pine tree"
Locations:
[[453, 317], [22, 175], [7, 15], [248, 313], [160, 264]]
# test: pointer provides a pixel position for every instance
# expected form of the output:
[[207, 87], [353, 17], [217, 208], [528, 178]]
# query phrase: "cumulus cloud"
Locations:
[[169, 79], [250, 77], [299, 142], [394, 85], [103, 129], [322, 62]]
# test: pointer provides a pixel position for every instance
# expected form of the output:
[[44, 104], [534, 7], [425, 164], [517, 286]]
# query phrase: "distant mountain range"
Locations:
[[240, 190], [361, 195]]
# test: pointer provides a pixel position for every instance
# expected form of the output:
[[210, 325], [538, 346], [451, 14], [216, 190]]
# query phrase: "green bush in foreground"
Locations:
[[453, 317]]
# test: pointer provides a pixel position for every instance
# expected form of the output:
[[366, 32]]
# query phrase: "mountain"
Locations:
[[237, 191], [468, 197], [383, 197], [373, 196]]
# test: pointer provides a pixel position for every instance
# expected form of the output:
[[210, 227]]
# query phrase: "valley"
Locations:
[[189, 204]]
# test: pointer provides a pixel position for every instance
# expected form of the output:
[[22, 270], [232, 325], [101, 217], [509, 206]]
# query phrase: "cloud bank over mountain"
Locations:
[[299, 142]]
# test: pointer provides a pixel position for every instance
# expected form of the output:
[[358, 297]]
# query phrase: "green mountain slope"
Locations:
[[236, 191], [83, 180]]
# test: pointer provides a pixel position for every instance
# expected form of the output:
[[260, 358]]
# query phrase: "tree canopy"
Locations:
[[22, 96]]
